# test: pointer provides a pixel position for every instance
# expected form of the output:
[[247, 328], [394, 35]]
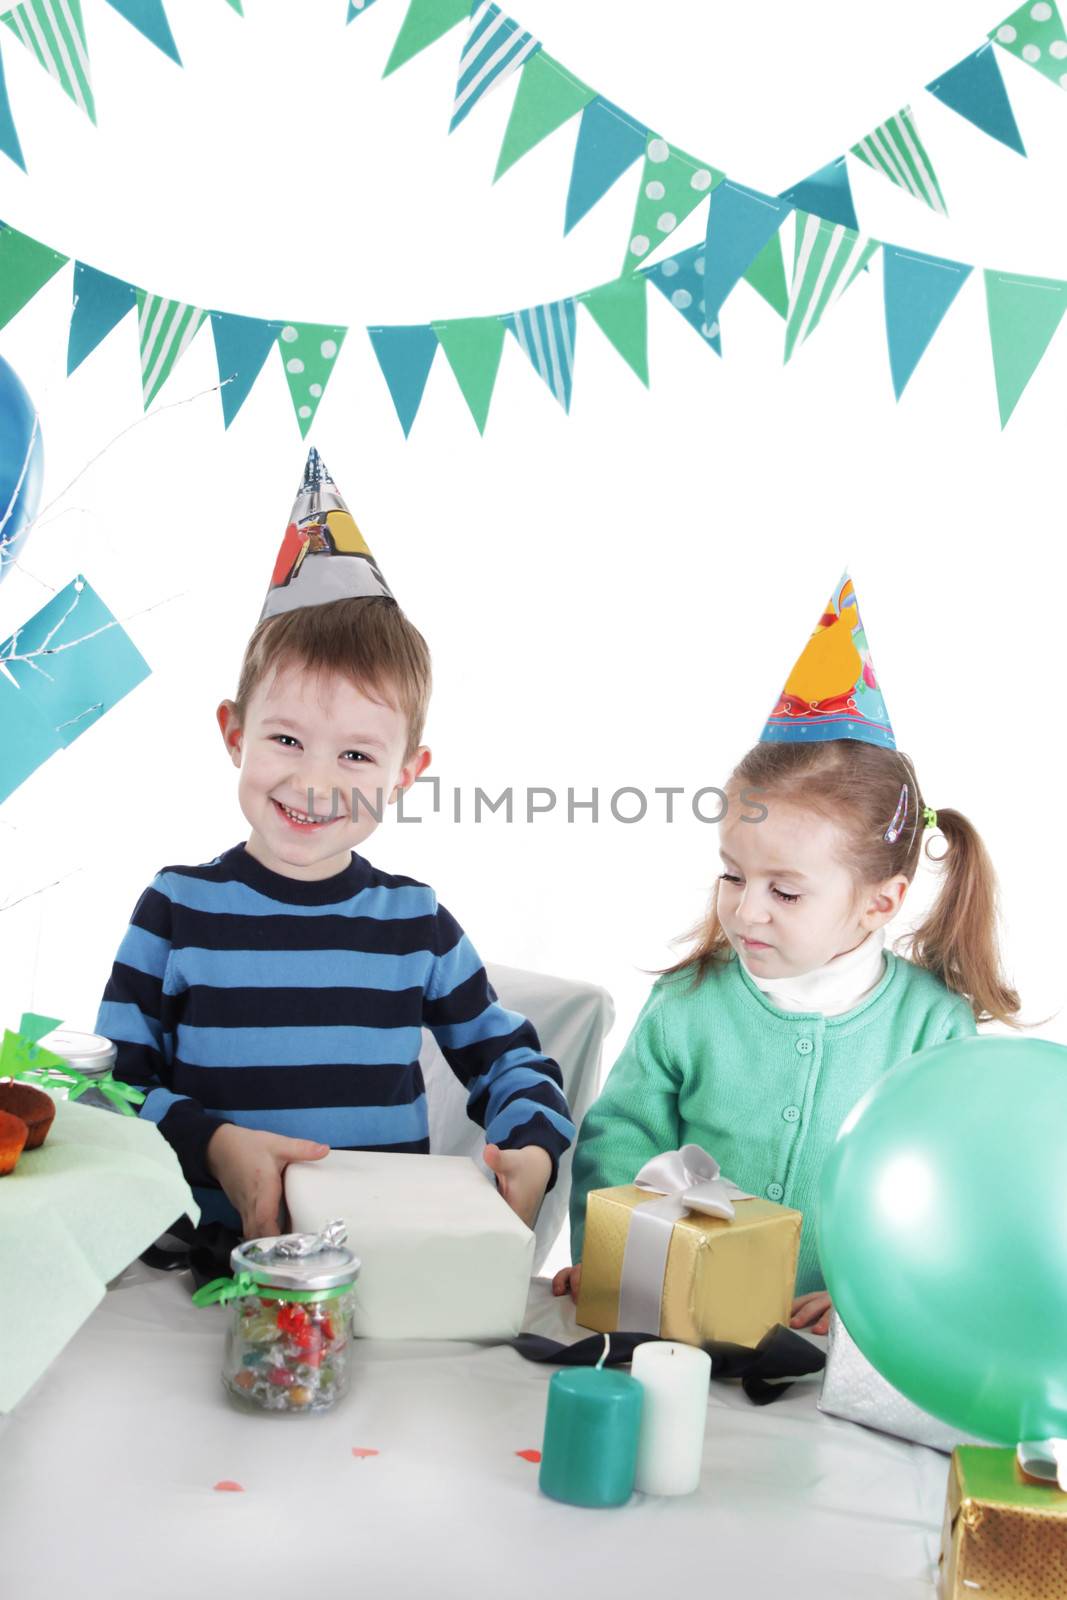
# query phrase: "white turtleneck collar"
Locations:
[[838, 985]]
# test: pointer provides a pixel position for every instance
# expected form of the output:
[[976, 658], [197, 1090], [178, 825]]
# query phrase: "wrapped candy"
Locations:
[[288, 1344]]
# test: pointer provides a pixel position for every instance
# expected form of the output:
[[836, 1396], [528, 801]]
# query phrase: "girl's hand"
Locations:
[[568, 1280], [521, 1176], [248, 1165], [812, 1311]]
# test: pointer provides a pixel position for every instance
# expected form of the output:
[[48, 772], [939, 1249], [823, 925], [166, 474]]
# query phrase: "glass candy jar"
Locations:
[[289, 1338]]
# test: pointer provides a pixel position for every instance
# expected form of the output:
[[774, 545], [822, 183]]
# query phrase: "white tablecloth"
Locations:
[[108, 1467]]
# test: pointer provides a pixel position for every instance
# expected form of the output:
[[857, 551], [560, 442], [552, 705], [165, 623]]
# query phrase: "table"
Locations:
[[108, 1468]]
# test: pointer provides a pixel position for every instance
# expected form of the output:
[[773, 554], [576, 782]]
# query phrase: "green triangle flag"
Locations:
[[672, 185], [426, 21], [309, 355], [473, 346], [547, 97], [620, 310], [33, 1026], [25, 266], [237, 6], [767, 276], [1024, 313]]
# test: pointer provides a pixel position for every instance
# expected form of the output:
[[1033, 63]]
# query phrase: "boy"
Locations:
[[270, 1002]]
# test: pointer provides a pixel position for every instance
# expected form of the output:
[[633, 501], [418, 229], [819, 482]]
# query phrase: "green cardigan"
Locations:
[[762, 1090]]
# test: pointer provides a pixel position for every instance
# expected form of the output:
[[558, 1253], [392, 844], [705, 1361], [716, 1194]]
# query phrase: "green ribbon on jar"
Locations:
[[219, 1290], [123, 1096]]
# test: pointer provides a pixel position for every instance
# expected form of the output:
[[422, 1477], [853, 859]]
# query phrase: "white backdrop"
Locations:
[[611, 599]]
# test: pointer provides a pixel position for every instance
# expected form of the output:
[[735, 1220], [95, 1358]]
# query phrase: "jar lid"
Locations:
[[86, 1052], [298, 1260]]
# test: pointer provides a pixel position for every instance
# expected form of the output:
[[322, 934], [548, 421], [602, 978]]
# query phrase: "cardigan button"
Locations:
[[791, 1114], [775, 1191], [805, 1047]]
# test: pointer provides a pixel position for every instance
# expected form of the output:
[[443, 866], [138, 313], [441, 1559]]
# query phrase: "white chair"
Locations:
[[572, 1019]]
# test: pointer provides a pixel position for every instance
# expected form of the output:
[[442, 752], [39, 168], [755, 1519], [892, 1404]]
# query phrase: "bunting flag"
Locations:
[[9, 139], [672, 185], [974, 88], [165, 329], [309, 352], [405, 355], [472, 346], [236, 5], [100, 303], [546, 334], [918, 291], [426, 22], [609, 142], [150, 19], [356, 8], [895, 149], [1035, 34], [242, 345], [767, 276], [25, 266], [496, 47], [827, 193], [1024, 313], [620, 310], [827, 258], [680, 279], [547, 97], [54, 31], [741, 223]]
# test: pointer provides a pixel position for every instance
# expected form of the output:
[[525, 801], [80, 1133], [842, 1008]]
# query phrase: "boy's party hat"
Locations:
[[323, 555], [832, 692]]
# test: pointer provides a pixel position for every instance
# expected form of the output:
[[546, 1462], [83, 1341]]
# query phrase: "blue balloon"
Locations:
[[21, 458]]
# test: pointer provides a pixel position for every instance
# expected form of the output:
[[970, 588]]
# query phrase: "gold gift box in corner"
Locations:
[[1005, 1537], [725, 1280]]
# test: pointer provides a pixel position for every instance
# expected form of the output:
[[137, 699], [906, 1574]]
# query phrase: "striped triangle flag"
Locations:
[[496, 47], [54, 31], [150, 19], [546, 334], [165, 329], [895, 149], [827, 258]]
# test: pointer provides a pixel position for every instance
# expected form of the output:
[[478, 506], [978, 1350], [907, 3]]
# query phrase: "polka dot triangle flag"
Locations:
[[672, 185], [680, 278], [165, 329], [895, 149], [55, 32], [1035, 34], [309, 354]]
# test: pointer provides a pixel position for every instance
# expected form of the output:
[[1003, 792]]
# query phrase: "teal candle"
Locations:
[[592, 1426]]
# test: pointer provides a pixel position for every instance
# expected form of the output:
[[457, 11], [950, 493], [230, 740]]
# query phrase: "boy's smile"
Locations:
[[319, 760]]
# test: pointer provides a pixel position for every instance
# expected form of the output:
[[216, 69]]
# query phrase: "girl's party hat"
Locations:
[[323, 555], [832, 692]]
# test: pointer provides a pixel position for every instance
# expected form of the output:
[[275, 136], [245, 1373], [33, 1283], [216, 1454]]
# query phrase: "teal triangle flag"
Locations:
[[741, 222], [405, 355], [242, 344], [975, 89], [827, 193], [149, 18], [609, 141], [9, 139], [918, 291], [100, 303]]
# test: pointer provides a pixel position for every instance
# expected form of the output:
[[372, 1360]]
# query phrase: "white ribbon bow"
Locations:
[[690, 1180]]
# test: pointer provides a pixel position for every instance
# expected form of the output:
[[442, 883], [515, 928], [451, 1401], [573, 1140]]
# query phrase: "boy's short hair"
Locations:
[[367, 640]]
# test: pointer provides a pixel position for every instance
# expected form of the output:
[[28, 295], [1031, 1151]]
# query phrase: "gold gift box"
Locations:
[[1005, 1536], [725, 1280]]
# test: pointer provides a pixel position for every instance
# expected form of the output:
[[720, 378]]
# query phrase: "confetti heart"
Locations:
[[362, 1454], [529, 1455], [228, 1483]]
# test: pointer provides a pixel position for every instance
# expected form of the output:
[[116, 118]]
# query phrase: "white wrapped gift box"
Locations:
[[851, 1388], [442, 1254]]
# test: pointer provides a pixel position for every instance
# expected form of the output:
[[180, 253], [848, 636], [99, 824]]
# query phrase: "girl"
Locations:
[[757, 1044]]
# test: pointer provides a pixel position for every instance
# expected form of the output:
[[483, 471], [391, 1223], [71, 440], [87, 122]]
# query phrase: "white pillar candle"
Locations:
[[675, 1379]]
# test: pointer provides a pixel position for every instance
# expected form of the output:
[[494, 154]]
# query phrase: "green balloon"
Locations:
[[943, 1233]]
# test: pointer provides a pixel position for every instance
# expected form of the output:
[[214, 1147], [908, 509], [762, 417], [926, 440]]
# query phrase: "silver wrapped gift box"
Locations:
[[852, 1389]]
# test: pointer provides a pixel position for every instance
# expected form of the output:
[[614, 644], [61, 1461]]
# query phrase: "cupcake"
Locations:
[[13, 1133], [33, 1106]]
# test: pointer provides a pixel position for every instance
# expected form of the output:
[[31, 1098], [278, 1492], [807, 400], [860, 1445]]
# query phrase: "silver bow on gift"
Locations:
[[690, 1180]]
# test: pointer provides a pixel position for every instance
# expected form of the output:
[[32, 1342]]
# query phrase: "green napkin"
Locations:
[[73, 1214]]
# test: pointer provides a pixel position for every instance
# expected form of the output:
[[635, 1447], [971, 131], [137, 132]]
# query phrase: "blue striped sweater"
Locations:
[[243, 996]]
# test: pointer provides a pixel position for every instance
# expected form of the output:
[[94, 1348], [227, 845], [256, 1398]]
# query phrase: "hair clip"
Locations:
[[893, 832]]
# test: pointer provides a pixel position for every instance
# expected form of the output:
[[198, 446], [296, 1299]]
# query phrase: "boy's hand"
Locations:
[[568, 1279], [521, 1176], [812, 1309], [248, 1163]]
